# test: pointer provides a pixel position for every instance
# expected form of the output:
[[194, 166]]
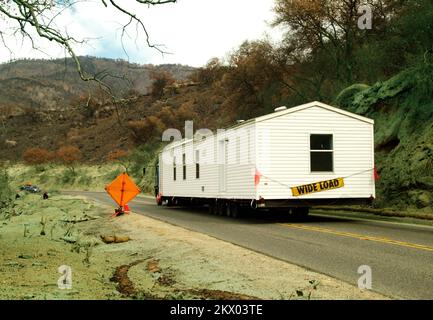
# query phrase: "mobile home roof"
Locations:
[[311, 105], [283, 113]]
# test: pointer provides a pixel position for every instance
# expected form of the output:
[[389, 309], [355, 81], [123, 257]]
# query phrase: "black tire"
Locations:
[[280, 214], [228, 210], [301, 212], [221, 209], [245, 211], [234, 210], [212, 209]]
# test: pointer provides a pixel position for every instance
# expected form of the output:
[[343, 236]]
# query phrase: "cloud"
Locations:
[[193, 31]]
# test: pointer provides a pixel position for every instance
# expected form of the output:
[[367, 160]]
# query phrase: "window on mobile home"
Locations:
[[184, 166], [174, 168], [197, 164], [322, 153]]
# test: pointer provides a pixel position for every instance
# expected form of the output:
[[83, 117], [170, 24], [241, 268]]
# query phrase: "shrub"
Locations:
[[44, 177], [113, 174], [121, 157], [143, 131], [6, 194], [145, 156], [160, 81], [345, 98], [69, 156], [84, 179], [37, 156], [68, 177]]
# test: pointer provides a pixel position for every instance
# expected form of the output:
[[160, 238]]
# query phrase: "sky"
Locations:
[[192, 31]]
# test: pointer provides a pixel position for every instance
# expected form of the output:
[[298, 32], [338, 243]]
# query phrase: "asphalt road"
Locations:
[[400, 255]]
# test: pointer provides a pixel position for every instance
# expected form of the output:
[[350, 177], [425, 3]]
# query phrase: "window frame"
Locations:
[[331, 151]]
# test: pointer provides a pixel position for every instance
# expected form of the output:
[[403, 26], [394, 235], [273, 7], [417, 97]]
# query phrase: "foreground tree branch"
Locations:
[[35, 19]]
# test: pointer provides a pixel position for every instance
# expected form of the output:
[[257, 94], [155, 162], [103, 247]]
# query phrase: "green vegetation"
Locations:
[[345, 97], [403, 110], [54, 177], [6, 194]]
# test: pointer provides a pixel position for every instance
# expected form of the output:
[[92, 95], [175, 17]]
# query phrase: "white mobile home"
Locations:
[[292, 158]]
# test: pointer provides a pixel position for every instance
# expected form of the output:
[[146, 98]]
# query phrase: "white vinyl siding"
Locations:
[[278, 146], [239, 145], [286, 162]]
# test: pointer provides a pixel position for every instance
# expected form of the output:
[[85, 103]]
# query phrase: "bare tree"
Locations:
[[37, 19]]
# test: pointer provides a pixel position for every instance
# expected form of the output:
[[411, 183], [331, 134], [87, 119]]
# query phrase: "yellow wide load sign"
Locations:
[[318, 187]]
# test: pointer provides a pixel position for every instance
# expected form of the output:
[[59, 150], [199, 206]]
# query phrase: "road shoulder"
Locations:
[[154, 260]]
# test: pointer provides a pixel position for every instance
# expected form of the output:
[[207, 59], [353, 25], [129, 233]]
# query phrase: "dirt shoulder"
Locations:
[[160, 261]]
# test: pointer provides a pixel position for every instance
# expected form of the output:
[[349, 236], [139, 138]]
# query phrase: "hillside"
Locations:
[[401, 107], [51, 84], [403, 110], [98, 129]]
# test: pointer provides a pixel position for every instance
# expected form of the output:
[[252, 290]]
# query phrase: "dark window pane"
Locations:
[[184, 166], [322, 161], [174, 168], [321, 142], [197, 171]]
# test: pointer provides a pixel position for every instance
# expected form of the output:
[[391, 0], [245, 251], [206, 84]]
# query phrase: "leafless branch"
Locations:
[[39, 16]]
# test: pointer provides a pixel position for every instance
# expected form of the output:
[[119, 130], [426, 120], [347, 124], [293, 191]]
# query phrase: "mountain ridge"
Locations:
[[21, 78]]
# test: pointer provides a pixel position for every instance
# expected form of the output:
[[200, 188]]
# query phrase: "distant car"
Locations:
[[31, 189]]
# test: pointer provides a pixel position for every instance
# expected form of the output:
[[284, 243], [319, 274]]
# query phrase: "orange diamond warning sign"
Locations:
[[122, 189]]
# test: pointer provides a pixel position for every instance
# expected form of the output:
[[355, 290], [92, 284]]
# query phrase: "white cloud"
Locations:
[[192, 30]]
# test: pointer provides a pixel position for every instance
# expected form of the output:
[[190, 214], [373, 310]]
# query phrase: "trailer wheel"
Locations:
[[245, 211], [301, 212], [221, 208], [228, 210], [212, 209], [234, 210]]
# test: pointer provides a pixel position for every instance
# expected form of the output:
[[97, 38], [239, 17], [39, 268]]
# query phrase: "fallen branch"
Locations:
[[69, 239], [78, 220], [115, 239]]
